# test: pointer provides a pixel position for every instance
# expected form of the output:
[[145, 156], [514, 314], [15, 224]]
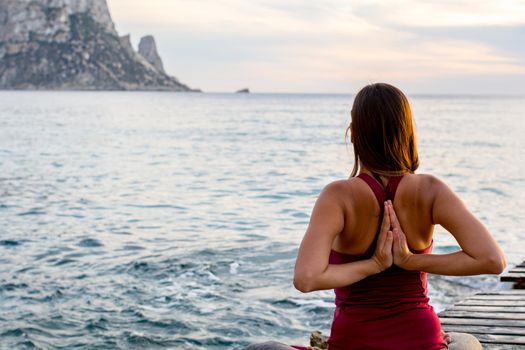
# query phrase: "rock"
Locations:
[[125, 41], [13, 49], [317, 339], [71, 44], [243, 91], [148, 50]]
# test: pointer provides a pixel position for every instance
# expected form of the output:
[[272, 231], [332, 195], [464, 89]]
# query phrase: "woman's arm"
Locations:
[[479, 254], [312, 270]]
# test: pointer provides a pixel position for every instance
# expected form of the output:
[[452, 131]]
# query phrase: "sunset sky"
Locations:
[[441, 46]]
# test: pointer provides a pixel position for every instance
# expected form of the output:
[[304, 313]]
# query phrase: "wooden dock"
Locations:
[[496, 318], [515, 275]]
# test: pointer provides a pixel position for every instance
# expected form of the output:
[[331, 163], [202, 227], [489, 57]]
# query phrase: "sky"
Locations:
[[335, 46]]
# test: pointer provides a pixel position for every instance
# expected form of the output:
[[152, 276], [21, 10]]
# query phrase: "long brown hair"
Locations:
[[382, 131]]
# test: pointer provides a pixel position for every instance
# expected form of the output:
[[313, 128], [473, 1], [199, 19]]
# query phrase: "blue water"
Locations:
[[161, 220]]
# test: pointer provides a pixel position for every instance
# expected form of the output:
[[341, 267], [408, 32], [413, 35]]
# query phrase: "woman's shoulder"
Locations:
[[341, 185], [426, 179], [343, 193], [428, 184], [345, 190], [336, 188]]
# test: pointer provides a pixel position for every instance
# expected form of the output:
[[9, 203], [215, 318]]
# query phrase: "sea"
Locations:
[[158, 220]]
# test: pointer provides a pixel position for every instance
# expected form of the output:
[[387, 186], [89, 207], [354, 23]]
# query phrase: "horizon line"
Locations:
[[420, 94]]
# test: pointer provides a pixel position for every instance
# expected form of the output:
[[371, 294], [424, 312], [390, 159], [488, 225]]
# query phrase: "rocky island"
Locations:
[[73, 45]]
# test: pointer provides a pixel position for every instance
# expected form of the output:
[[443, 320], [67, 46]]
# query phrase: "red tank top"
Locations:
[[388, 310]]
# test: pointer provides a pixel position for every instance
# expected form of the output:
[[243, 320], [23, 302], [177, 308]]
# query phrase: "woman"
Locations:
[[370, 237]]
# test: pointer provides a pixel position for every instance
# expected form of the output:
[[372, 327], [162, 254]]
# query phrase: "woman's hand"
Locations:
[[401, 252], [383, 256], [446, 337]]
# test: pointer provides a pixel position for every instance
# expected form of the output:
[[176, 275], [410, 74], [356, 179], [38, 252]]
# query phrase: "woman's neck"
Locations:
[[381, 179]]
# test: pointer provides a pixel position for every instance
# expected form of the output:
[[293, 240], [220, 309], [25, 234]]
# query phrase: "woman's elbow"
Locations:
[[304, 283], [496, 264]]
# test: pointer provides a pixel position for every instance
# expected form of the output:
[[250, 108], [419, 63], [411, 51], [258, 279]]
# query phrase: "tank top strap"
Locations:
[[376, 187], [381, 194], [391, 187]]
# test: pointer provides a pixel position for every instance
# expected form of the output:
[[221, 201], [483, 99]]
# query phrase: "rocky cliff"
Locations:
[[71, 44], [148, 50]]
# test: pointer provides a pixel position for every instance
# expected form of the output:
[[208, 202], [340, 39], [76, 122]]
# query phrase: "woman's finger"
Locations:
[[403, 245], [385, 226], [387, 248], [446, 337], [395, 239], [393, 217], [398, 240]]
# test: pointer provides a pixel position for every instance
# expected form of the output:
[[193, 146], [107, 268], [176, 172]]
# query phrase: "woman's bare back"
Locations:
[[413, 205]]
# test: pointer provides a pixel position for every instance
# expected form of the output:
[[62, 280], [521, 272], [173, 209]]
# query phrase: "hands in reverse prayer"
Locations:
[[392, 247]]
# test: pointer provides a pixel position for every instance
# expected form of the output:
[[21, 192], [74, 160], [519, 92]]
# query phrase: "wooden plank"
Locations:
[[503, 291], [497, 297], [516, 294], [488, 346], [511, 274], [480, 322], [484, 315], [511, 277], [517, 270], [517, 281], [484, 329], [501, 339], [519, 303], [489, 308]]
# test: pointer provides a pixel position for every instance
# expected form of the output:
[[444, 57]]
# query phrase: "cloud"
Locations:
[[443, 13], [331, 45], [504, 39]]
